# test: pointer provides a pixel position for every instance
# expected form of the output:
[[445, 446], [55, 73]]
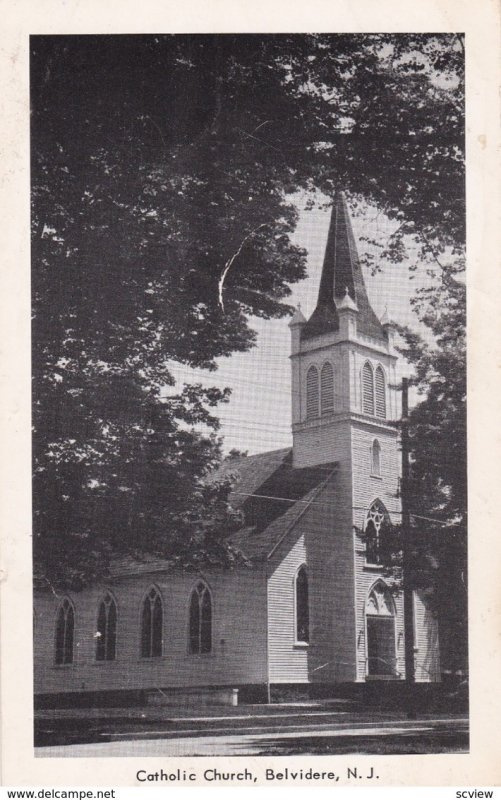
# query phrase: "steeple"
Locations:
[[341, 278]]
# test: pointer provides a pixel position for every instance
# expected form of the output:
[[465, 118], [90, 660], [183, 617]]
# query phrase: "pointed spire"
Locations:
[[341, 276]]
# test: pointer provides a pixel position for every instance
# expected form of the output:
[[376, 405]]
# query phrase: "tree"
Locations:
[[163, 172], [438, 450], [436, 539]]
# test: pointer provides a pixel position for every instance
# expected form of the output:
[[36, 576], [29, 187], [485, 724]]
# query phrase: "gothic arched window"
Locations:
[[368, 389], [106, 634], [312, 393], [376, 459], [380, 387], [152, 624], [200, 626], [65, 633], [377, 522], [327, 389], [302, 606]]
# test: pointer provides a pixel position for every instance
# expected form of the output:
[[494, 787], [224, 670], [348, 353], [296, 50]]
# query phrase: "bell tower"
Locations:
[[344, 404], [342, 357]]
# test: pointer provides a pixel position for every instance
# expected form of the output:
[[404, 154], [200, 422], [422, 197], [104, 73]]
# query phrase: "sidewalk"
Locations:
[[83, 726]]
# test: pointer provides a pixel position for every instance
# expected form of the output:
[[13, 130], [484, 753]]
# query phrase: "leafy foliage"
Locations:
[[438, 422], [438, 449], [163, 170]]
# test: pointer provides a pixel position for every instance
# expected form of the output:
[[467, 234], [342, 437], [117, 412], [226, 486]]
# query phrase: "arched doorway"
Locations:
[[380, 627]]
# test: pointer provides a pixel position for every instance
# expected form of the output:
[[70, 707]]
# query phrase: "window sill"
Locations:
[[377, 477], [383, 677], [64, 666], [369, 565], [201, 655], [153, 659], [301, 645]]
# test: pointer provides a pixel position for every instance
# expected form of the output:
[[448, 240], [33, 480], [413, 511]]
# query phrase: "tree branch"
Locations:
[[230, 261]]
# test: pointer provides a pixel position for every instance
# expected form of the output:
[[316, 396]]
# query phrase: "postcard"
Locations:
[[249, 470]]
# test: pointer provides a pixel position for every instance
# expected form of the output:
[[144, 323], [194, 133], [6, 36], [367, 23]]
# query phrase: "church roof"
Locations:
[[272, 495], [341, 274]]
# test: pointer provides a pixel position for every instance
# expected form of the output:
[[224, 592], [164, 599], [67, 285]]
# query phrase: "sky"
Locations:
[[257, 417]]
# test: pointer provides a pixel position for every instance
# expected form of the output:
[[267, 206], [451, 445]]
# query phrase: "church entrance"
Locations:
[[380, 627]]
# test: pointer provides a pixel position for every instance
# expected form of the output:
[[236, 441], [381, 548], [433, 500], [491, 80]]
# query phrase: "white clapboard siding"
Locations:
[[322, 541], [323, 444], [288, 661], [239, 636], [426, 643]]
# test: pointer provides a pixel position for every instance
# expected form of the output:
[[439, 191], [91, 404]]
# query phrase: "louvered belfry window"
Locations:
[[368, 389], [312, 393], [380, 394], [327, 389]]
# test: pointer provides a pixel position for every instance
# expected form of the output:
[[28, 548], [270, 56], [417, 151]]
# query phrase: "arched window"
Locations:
[[152, 625], [200, 631], [380, 621], [65, 632], [327, 389], [312, 393], [106, 634], [377, 523], [376, 459], [302, 606], [380, 386], [368, 389]]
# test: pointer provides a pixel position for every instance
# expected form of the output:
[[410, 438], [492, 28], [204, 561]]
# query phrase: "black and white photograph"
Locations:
[[249, 394]]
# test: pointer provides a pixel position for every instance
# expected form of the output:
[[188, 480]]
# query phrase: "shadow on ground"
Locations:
[[401, 744]]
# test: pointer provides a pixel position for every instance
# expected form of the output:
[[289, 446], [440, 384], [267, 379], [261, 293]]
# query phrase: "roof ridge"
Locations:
[[254, 457], [307, 505]]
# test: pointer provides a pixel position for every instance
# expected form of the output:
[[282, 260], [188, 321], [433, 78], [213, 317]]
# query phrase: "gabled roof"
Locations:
[[341, 273], [251, 472], [273, 496]]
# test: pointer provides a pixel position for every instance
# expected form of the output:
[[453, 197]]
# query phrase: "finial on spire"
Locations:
[[298, 317], [346, 302], [386, 319]]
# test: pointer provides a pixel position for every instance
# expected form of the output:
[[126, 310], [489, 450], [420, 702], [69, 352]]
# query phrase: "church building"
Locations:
[[314, 605]]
